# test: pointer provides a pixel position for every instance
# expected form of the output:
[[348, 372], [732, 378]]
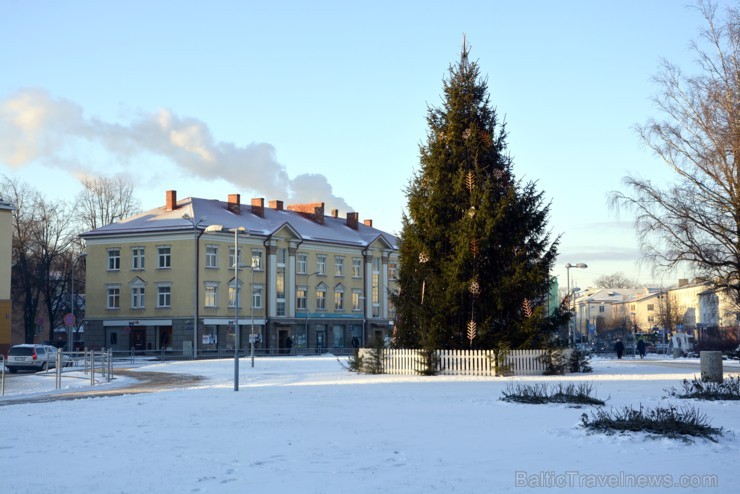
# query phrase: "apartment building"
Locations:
[[6, 255], [184, 275]]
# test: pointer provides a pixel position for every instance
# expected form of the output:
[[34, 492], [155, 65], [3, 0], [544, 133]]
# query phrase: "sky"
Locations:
[[327, 101], [304, 424]]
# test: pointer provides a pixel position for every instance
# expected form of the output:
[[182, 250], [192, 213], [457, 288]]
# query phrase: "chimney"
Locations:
[[276, 205], [258, 206], [234, 204], [368, 223], [313, 211], [352, 220], [335, 213], [170, 200]]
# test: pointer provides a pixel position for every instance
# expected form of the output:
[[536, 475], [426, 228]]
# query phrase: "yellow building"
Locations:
[[307, 282], [6, 256]]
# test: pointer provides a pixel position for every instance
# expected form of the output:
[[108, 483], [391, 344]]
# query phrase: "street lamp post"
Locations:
[[70, 329], [241, 229], [308, 276], [251, 332], [195, 224], [580, 265]]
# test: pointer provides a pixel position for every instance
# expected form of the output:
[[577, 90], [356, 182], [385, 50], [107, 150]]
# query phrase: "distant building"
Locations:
[[308, 282], [6, 256]]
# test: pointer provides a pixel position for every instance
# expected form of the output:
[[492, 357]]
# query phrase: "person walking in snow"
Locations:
[[641, 348], [619, 348]]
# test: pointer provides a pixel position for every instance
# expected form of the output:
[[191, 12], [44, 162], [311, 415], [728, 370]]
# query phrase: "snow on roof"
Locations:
[[215, 212]]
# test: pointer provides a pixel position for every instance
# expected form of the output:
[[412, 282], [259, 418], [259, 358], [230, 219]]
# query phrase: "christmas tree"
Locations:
[[475, 251]]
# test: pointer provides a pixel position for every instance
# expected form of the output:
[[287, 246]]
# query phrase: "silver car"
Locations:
[[31, 357]]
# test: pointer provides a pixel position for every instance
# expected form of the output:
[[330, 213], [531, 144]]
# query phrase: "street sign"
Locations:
[[69, 320]]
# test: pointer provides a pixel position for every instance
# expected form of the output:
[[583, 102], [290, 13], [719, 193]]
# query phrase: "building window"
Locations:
[[211, 256], [280, 292], [302, 264], [356, 300], [300, 298], [232, 264], [114, 259], [602, 309], [137, 258], [376, 287], [232, 293], [163, 256], [339, 297], [282, 256], [357, 267], [321, 264], [338, 336], [257, 259], [114, 297], [164, 296], [339, 266], [137, 297], [651, 307], [392, 269], [321, 297], [256, 296], [211, 295]]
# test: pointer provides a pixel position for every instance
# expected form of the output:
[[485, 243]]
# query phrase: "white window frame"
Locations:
[[257, 260], [210, 295], [321, 297], [114, 259], [137, 258], [357, 267], [212, 256], [321, 264], [164, 256], [113, 297], [339, 298], [257, 296], [338, 266], [164, 296], [302, 263]]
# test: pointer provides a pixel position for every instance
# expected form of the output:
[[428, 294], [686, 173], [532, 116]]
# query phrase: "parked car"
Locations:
[[31, 357]]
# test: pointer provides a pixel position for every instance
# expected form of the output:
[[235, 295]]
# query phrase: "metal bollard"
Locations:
[[58, 375], [2, 379]]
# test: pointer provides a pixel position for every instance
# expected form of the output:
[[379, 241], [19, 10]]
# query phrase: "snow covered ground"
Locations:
[[306, 425]]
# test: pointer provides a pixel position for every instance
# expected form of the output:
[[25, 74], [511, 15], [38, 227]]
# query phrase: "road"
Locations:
[[146, 382]]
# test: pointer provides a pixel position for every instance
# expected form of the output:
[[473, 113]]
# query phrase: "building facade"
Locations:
[[6, 256], [183, 276]]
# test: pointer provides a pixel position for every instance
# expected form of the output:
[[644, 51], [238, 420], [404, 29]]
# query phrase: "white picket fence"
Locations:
[[464, 362]]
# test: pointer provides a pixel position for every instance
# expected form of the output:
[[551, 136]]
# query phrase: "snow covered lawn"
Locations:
[[305, 425]]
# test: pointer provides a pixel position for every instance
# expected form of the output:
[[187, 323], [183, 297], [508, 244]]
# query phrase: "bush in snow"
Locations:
[[542, 393], [670, 422], [727, 390]]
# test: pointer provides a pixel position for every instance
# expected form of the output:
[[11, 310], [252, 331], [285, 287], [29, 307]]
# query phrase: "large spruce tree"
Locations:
[[475, 250]]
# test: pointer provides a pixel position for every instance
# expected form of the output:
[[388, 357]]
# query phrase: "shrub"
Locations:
[[670, 422], [579, 362], [542, 393], [554, 361], [727, 390]]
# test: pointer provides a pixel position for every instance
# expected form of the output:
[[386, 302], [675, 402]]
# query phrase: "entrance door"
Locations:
[[138, 339], [320, 341], [283, 341]]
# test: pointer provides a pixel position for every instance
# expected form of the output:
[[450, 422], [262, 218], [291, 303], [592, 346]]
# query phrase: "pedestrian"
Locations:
[[619, 348], [289, 344], [641, 348]]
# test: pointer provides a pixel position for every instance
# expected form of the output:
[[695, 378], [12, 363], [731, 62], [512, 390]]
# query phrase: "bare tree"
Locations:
[[103, 200], [614, 280], [695, 221], [42, 238]]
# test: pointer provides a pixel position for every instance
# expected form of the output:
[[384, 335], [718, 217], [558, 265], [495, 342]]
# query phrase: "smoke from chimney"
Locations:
[[35, 126]]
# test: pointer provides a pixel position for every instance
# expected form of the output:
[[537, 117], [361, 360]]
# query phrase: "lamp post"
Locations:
[[195, 224], [308, 276], [251, 332], [580, 265], [72, 302], [241, 229]]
